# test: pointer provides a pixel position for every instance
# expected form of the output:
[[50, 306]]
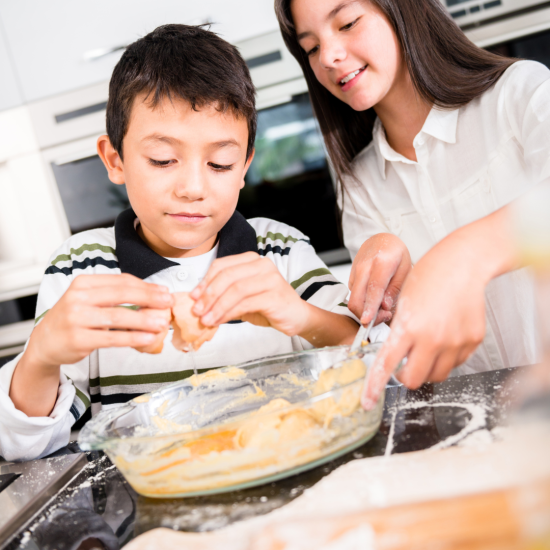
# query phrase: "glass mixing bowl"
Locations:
[[237, 427]]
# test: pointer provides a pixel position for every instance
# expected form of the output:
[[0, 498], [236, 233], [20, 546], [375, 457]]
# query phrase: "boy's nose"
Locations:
[[190, 185]]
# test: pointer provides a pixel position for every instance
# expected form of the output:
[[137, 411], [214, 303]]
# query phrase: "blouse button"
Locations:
[[182, 275], [433, 220]]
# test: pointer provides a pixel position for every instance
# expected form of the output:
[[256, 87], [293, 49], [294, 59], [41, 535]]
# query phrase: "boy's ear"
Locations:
[[247, 165], [111, 159]]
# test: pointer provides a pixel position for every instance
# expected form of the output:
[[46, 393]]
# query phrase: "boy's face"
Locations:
[[183, 170]]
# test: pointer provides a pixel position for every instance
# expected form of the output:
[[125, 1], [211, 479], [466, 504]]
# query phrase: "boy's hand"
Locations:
[[249, 287], [79, 322]]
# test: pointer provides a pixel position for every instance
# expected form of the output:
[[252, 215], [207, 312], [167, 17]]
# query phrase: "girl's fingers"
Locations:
[[219, 266], [420, 363], [390, 355], [146, 320], [358, 287], [383, 317], [443, 366], [380, 277]]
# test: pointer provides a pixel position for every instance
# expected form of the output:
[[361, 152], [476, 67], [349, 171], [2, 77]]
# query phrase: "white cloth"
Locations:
[[471, 162]]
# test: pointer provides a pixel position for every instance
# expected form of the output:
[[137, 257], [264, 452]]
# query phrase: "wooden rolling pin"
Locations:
[[511, 519]]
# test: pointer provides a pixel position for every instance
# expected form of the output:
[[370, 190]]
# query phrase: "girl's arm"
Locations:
[[440, 317]]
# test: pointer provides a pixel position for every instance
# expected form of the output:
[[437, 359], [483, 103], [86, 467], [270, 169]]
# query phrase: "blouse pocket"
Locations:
[[410, 228]]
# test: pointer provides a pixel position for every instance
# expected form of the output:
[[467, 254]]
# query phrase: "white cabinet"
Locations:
[[9, 90], [53, 43]]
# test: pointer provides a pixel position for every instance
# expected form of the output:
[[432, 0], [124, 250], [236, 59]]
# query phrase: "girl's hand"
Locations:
[[440, 318], [377, 275], [250, 288]]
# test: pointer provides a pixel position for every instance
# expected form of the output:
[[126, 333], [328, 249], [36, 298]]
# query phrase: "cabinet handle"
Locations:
[[94, 55]]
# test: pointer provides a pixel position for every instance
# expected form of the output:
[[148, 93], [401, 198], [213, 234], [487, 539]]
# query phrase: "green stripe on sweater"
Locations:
[[309, 275], [276, 237], [85, 247], [136, 379]]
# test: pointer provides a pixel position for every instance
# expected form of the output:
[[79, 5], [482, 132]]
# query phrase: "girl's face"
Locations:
[[351, 47]]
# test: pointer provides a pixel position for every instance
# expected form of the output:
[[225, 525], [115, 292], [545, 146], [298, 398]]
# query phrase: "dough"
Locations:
[[216, 376], [277, 436], [266, 431], [189, 333], [345, 402], [157, 345]]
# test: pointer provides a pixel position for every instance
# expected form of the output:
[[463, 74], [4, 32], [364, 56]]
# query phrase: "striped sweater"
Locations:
[[109, 377]]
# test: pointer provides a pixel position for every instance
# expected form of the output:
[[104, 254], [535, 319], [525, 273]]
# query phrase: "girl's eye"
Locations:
[[312, 51], [349, 25], [160, 163], [221, 167]]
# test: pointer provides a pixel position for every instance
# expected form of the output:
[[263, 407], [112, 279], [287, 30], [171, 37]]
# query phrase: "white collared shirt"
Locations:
[[471, 162]]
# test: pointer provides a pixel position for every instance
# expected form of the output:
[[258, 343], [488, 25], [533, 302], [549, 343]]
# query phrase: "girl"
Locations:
[[431, 138]]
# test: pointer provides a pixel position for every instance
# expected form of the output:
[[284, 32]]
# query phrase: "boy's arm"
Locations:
[[80, 322], [251, 288]]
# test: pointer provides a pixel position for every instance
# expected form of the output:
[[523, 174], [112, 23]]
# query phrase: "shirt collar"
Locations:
[[135, 257], [440, 124]]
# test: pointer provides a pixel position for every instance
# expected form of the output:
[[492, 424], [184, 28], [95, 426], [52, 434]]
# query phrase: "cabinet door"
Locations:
[[57, 46], [9, 90]]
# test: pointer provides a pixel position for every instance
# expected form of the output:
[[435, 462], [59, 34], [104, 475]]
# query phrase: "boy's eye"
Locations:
[[221, 167], [160, 163], [349, 25]]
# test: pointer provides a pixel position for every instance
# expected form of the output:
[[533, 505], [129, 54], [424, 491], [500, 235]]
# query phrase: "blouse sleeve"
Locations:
[[527, 104]]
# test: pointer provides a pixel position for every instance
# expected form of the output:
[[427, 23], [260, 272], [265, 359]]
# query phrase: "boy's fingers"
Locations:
[[236, 293], [230, 276], [95, 339], [220, 265], [248, 308], [141, 296], [125, 279], [386, 362], [146, 320]]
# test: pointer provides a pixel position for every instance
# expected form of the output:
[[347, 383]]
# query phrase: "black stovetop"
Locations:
[[99, 509]]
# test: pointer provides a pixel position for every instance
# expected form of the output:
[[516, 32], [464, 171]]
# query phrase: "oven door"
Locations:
[[87, 196]]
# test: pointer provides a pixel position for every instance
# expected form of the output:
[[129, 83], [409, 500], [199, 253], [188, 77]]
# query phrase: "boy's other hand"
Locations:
[[83, 319], [250, 288]]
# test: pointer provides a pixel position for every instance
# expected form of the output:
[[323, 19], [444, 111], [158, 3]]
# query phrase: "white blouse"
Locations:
[[471, 162]]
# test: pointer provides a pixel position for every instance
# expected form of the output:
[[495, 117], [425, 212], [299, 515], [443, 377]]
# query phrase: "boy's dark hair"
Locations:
[[183, 61]]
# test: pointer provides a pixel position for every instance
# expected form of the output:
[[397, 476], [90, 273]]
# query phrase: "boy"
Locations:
[[181, 124]]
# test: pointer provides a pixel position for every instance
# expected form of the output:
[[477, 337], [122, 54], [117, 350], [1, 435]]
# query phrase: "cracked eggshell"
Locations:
[[189, 332], [157, 345]]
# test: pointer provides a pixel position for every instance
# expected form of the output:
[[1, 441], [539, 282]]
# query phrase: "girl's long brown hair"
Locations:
[[447, 70]]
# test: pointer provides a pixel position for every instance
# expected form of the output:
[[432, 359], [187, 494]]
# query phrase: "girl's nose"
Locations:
[[331, 53]]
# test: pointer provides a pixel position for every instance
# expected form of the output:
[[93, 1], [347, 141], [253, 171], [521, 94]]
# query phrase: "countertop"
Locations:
[[98, 509]]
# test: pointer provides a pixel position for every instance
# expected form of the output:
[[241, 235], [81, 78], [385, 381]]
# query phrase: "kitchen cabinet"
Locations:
[[9, 88], [70, 39]]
